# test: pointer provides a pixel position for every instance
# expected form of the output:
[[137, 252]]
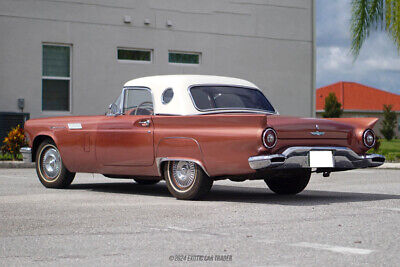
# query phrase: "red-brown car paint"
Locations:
[[222, 143]]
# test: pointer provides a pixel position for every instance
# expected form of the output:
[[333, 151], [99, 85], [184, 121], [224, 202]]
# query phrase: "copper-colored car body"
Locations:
[[224, 144]]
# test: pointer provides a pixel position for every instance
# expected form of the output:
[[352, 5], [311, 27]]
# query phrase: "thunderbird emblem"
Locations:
[[317, 132]]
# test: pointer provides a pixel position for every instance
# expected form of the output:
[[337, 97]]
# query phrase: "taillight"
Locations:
[[369, 138], [269, 138]]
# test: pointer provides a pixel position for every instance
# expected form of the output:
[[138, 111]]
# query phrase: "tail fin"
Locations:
[[359, 122]]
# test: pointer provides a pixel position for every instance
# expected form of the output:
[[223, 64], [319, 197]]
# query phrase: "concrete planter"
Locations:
[[26, 154]]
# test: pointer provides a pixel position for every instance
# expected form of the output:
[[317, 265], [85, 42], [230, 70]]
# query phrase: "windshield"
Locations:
[[208, 98]]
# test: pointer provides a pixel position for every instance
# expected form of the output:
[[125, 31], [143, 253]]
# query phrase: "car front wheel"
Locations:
[[50, 168], [186, 180], [289, 182]]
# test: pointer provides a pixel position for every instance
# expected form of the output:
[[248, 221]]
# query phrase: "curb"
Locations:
[[390, 166], [16, 164]]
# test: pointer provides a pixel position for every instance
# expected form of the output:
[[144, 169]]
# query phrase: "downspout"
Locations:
[[313, 59]]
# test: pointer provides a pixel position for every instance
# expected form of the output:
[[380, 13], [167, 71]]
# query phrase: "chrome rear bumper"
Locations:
[[297, 157]]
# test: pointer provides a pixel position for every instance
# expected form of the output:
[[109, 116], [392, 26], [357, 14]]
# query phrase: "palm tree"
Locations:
[[378, 14]]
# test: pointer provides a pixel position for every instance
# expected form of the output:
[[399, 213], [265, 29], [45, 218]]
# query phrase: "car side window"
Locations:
[[138, 101]]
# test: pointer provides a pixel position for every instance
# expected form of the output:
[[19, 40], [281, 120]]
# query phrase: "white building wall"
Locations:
[[268, 42]]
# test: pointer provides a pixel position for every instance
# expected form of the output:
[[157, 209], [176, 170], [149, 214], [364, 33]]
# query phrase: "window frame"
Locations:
[[186, 53], [58, 78], [125, 88], [136, 61]]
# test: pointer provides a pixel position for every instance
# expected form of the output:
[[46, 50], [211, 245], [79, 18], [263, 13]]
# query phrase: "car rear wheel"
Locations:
[[145, 182], [50, 168], [289, 182], [186, 180]]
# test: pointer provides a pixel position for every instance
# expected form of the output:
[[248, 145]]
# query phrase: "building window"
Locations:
[[140, 55], [184, 58], [56, 77]]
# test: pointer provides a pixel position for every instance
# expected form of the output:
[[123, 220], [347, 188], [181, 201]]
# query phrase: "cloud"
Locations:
[[331, 22], [334, 58], [378, 64]]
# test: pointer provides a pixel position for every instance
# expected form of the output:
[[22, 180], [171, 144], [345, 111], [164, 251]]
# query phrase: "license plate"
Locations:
[[320, 159]]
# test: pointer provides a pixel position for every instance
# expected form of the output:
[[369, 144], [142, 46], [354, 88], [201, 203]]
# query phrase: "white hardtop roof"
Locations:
[[181, 103], [162, 82]]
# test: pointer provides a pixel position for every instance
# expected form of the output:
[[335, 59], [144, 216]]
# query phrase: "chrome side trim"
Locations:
[[230, 111], [163, 159], [75, 126]]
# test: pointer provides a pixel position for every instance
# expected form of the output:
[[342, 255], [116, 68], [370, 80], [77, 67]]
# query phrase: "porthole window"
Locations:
[[167, 96]]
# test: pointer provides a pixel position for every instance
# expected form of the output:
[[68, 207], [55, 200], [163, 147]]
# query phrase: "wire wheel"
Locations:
[[183, 174], [50, 168], [51, 163], [186, 180]]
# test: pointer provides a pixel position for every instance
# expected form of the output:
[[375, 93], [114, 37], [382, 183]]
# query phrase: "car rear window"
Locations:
[[208, 98]]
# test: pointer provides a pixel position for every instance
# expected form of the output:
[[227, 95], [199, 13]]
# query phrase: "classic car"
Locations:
[[191, 130]]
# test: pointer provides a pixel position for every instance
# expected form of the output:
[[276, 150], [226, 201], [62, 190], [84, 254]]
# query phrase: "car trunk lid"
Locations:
[[309, 128]]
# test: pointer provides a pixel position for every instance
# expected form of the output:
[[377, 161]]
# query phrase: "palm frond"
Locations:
[[388, 14], [360, 23], [392, 20], [395, 30], [374, 13]]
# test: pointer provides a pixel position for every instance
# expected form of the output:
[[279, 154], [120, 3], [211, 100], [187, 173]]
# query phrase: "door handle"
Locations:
[[144, 123]]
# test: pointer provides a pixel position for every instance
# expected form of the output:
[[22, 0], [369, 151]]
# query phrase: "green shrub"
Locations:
[[389, 122], [333, 109], [389, 149], [4, 157], [13, 142]]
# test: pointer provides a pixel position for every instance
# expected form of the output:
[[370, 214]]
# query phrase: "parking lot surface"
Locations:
[[350, 218]]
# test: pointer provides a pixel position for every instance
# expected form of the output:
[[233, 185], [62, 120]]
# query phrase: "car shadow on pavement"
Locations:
[[226, 193], [159, 190], [305, 198]]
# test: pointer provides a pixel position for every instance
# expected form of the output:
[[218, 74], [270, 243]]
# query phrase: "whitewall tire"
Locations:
[[186, 180], [50, 168]]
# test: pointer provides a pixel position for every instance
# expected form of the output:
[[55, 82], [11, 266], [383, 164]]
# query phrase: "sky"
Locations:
[[378, 64]]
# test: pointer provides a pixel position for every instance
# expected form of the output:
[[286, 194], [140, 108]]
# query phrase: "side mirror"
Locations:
[[113, 109]]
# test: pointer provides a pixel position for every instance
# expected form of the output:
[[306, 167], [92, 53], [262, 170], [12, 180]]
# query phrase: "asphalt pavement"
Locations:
[[350, 218]]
